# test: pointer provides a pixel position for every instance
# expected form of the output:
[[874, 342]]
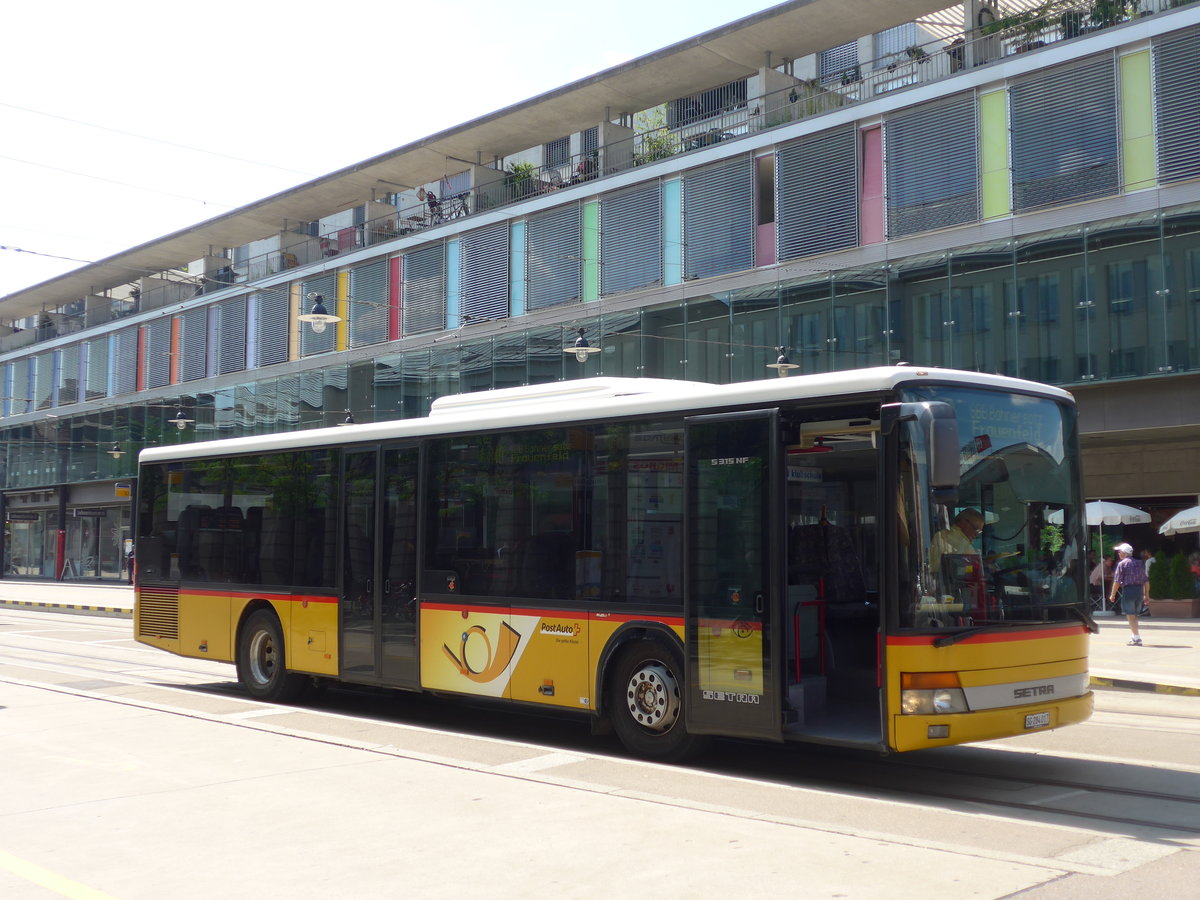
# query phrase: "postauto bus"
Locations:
[[781, 559]]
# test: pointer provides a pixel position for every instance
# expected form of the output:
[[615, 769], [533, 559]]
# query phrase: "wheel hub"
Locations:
[[262, 657], [653, 697]]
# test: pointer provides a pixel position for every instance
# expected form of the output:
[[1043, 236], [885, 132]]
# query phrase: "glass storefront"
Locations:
[[94, 543]]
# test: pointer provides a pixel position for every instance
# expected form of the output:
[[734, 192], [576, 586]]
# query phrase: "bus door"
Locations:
[[378, 541], [734, 574]]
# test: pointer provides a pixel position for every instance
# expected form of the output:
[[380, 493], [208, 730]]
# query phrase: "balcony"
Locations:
[[780, 100]]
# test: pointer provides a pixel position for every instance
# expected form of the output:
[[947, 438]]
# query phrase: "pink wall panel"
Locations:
[[870, 201]]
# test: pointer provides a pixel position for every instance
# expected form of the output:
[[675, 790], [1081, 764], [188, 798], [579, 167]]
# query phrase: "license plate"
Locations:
[[1037, 720]]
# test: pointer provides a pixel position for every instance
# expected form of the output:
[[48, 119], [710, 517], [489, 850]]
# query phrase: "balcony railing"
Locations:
[[932, 61], [804, 99]]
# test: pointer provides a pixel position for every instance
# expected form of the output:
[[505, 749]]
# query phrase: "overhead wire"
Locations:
[[145, 137]]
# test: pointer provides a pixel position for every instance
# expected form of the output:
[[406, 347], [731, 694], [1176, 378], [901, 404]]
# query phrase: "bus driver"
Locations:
[[967, 526]]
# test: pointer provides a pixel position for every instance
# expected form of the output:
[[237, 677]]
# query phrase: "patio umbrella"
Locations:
[[1105, 512], [1182, 522]]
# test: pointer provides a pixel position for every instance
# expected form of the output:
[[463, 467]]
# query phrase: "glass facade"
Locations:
[[1098, 302], [644, 269]]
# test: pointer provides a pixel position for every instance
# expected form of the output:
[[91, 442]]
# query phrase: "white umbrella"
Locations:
[[1182, 522], [1105, 512]]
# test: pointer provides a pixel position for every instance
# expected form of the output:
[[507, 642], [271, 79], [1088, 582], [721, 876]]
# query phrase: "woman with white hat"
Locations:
[[1129, 581]]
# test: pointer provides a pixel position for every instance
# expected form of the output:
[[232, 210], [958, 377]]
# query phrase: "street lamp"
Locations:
[[181, 420], [318, 317], [581, 348], [782, 365]]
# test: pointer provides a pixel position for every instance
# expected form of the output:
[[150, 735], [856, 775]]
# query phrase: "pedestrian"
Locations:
[[1147, 561], [1129, 585], [1099, 578]]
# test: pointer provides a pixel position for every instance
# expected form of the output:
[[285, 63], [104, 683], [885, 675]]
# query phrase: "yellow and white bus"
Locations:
[[672, 559]]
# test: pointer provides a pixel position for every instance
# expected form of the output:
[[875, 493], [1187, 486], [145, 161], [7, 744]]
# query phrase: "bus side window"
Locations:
[[547, 566]]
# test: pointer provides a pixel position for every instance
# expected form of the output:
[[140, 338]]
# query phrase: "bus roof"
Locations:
[[598, 398]]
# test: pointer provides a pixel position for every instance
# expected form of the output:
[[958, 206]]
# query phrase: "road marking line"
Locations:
[[49, 880]]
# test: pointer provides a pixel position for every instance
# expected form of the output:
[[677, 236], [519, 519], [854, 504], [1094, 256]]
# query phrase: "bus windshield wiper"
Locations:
[[947, 639], [1085, 618]]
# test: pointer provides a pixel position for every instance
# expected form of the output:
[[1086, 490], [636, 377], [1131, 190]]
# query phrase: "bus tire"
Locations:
[[646, 701], [260, 661]]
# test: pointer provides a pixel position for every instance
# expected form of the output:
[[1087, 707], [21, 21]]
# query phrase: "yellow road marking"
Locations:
[[49, 880]]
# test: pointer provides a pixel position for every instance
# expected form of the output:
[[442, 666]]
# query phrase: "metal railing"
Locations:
[[1018, 32], [919, 64]]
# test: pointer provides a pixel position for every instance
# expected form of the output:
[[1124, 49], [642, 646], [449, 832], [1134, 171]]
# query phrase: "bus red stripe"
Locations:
[[997, 637], [260, 595]]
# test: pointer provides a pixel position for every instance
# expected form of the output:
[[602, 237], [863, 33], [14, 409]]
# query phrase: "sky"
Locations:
[[127, 120]]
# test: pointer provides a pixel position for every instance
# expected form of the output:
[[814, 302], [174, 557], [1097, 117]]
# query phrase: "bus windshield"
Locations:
[[1007, 549]]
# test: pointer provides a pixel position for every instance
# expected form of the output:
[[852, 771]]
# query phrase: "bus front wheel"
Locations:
[[260, 661], [646, 701]]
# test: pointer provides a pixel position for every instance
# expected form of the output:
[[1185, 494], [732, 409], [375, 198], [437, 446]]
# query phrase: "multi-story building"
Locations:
[[1011, 188]]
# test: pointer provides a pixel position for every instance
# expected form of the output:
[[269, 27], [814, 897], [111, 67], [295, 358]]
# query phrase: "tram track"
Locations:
[[1185, 818], [1111, 795]]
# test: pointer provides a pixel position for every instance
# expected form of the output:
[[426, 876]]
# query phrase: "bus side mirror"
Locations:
[[939, 429]]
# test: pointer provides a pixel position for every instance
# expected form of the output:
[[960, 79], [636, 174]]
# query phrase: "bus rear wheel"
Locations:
[[646, 701], [260, 661]]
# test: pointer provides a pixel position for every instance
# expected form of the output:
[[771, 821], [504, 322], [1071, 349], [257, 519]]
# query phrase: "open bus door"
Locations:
[[734, 566]]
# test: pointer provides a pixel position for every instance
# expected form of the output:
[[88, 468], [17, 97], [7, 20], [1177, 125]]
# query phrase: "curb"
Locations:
[[117, 611], [1130, 685]]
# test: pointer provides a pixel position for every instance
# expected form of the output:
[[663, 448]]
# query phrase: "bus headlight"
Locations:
[[931, 694], [933, 703]]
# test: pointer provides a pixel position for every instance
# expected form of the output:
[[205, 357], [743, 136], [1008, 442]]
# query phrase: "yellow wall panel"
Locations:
[[994, 159], [1137, 122]]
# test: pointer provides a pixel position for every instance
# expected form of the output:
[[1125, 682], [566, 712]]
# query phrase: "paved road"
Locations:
[[128, 775]]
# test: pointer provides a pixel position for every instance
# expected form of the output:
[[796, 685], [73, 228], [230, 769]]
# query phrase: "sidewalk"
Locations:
[[91, 596], [1168, 663]]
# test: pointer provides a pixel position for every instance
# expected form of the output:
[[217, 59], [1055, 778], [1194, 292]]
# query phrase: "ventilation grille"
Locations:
[[158, 612]]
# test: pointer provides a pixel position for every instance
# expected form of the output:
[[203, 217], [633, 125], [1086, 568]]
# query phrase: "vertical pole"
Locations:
[[60, 544]]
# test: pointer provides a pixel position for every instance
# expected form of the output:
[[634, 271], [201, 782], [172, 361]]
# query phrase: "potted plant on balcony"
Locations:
[[519, 178], [1108, 12], [1071, 23], [655, 140], [1025, 27]]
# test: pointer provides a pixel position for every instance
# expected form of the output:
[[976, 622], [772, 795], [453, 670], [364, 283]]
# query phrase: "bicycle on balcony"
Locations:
[[444, 210]]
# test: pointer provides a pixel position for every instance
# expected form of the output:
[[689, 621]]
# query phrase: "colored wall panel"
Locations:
[[672, 212], [394, 281], [453, 282], [1137, 122], [870, 200], [343, 310], [173, 374], [294, 323], [591, 250], [993, 151], [516, 269], [141, 358]]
